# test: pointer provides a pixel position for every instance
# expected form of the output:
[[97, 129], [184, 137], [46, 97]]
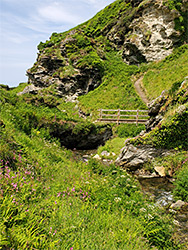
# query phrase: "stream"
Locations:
[[159, 190]]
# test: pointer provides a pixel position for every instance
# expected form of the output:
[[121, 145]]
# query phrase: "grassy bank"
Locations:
[[49, 200]]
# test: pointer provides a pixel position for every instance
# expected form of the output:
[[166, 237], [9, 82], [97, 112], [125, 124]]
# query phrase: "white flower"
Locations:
[[117, 199]]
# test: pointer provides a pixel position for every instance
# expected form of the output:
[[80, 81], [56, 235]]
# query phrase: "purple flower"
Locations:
[[58, 194], [14, 185]]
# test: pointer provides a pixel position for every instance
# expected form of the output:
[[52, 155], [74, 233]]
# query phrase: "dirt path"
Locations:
[[140, 91]]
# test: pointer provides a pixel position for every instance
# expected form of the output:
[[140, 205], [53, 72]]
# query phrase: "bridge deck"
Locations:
[[141, 121]]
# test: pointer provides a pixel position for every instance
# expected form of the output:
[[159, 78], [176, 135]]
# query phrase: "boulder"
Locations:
[[133, 157], [97, 157], [160, 170], [178, 205], [105, 153], [30, 89]]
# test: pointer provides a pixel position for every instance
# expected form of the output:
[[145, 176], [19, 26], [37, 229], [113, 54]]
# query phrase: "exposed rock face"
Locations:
[[89, 140], [152, 35], [133, 157], [79, 83], [30, 89], [179, 204], [144, 32]]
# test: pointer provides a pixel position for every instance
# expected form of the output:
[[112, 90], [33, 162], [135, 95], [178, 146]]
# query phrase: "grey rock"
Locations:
[[179, 204], [133, 157], [97, 157], [30, 89], [105, 153]]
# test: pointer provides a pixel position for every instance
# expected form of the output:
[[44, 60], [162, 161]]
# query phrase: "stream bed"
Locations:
[[159, 190]]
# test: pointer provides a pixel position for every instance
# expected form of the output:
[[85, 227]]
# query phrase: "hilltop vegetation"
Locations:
[[93, 54]]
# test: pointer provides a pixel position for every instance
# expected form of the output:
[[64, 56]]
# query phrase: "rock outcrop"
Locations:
[[79, 82], [159, 106], [70, 136], [72, 62], [152, 34], [132, 157]]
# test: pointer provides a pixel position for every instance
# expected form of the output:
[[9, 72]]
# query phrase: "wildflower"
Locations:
[[117, 199], [14, 185], [58, 194], [55, 202], [71, 248]]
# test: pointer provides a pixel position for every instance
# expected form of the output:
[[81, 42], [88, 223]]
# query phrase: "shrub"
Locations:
[[181, 183], [129, 130]]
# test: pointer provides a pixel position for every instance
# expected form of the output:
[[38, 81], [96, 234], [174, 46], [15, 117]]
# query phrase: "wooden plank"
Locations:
[[109, 115], [122, 110], [121, 120], [115, 110], [127, 115], [113, 115], [118, 117]]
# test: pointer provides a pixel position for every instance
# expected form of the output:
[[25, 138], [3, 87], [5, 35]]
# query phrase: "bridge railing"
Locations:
[[123, 116]]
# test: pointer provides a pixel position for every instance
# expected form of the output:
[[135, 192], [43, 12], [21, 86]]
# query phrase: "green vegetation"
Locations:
[[129, 130], [116, 91], [162, 75], [181, 184], [172, 132], [51, 200], [106, 18]]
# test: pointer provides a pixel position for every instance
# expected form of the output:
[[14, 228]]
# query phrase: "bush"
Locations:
[[181, 183], [129, 130]]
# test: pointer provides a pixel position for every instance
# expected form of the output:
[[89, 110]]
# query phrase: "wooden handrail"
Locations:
[[117, 117]]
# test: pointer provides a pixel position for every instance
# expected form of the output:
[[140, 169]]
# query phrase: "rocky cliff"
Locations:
[[73, 63]]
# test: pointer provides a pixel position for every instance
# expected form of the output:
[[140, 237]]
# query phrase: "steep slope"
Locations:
[[77, 61], [163, 75]]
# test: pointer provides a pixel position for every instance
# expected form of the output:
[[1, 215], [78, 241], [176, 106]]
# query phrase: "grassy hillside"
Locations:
[[116, 91], [96, 48], [160, 76], [49, 199]]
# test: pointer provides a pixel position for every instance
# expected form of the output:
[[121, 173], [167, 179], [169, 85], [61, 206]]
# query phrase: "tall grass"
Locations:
[[49, 200]]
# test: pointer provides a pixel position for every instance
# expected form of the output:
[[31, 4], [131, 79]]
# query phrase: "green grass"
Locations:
[[116, 90], [49, 200], [162, 75]]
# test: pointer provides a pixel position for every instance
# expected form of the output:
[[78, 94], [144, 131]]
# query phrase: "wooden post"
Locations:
[[100, 113], [118, 116], [137, 117]]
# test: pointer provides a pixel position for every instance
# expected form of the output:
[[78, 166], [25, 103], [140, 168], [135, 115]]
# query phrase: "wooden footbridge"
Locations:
[[123, 116]]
